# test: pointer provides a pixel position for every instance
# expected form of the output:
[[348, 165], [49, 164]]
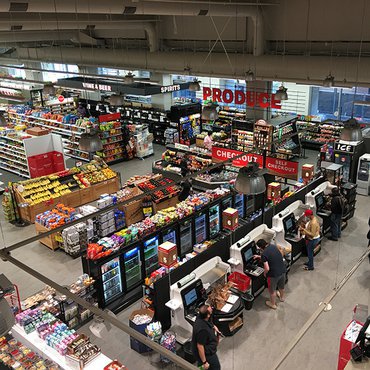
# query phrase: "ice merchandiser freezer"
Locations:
[[186, 237], [214, 216], [348, 155], [151, 254], [239, 204], [200, 227], [132, 265], [170, 235], [111, 279]]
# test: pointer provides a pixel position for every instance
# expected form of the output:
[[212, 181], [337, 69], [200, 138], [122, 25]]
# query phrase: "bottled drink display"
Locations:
[[132, 264], [186, 242], [214, 220], [112, 280], [200, 229], [151, 254]]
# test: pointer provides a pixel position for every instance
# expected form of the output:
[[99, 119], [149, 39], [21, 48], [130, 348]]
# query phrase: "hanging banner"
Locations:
[[223, 154], [283, 168], [251, 98]]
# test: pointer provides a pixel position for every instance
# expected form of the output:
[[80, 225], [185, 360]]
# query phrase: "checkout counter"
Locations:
[[241, 257], [286, 224], [188, 294], [317, 200]]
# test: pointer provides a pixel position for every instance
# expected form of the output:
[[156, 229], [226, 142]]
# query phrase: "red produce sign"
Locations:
[[283, 168], [251, 98], [222, 154]]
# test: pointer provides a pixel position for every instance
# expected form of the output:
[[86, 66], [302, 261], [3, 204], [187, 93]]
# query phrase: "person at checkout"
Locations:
[[205, 340]]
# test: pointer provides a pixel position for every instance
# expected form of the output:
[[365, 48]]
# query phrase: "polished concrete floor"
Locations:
[[266, 333]]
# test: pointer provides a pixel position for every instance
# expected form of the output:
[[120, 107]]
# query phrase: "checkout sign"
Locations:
[[275, 166]]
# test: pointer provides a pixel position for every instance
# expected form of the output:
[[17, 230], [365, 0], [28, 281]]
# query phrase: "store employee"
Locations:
[[205, 341]]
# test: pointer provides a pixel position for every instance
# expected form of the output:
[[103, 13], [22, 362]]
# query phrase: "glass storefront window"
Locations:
[[53, 76]]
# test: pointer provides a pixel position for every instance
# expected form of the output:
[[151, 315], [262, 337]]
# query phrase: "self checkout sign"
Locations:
[[346, 148]]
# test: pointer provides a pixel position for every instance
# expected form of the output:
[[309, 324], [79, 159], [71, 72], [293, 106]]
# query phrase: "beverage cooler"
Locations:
[[200, 227], [133, 267], [348, 154], [214, 217], [111, 278], [226, 203], [170, 234], [151, 254], [186, 237], [239, 204]]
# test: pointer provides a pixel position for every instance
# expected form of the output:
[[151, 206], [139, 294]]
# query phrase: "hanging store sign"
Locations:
[[251, 98], [98, 87], [170, 88], [223, 154], [283, 168], [344, 148]]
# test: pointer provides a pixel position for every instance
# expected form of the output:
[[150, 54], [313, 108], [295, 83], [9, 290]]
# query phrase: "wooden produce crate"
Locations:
[[133, 210], [199, 143], [49, 240], [169, 202]]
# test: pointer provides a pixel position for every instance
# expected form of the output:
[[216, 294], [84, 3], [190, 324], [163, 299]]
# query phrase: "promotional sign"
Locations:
[[283, 168], [223, 154], [251, 98], [109, 117], [345, 148], [61, 98]]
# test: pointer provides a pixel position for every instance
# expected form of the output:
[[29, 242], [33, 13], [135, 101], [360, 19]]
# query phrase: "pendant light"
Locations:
[[249, 75], [194, 85], [90, 141], [351, 131], [129, 79], [250, 181], [329, 81], [6, 314], [281, 93], [209, 112]]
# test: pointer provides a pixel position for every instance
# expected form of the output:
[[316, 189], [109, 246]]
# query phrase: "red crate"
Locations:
[[241, 282]]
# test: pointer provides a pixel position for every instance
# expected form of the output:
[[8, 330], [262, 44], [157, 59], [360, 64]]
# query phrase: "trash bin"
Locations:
[[248, 300], [135, 344], [188, 353]]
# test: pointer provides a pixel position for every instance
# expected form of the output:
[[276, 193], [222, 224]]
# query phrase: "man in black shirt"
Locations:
[[336, 214], [205, 341], [275, 271]]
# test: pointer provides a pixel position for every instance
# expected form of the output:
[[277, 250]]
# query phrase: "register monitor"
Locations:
[[290, 225], [193, 296], [319, 200]]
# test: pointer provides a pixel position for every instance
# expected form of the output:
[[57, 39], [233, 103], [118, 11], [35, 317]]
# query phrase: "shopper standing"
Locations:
[[205, 341], [274, 270], [337, 206], [312, 235], [208, 142]]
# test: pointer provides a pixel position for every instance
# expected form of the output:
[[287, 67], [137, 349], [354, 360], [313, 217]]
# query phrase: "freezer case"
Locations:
[[111, 280], [132, 267], [200, 227], [214, 216], [186, 237], [239, 204], [170, 235], [151, 254]]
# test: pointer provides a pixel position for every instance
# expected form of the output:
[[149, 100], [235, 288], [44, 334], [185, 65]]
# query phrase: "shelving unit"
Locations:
[[65, 107], [242, 135]]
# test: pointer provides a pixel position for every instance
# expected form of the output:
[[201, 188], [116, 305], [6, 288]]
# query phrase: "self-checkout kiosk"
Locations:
[[317, 201], [286, 224], [188, 294], [241, 257]]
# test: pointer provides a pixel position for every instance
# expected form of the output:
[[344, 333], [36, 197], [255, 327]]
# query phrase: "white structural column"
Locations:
[[162, 101]]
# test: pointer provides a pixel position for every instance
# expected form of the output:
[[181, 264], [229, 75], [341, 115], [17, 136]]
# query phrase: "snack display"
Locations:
[[58, 216]]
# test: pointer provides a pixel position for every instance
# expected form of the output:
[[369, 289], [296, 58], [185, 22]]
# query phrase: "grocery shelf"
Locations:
[[14, 160], [14, 171]]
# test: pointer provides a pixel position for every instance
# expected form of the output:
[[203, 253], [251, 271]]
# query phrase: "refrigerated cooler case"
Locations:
[[111, 279], [214, 216], [151, 254], [226, 203], [348, 154], [132, 267], [170, 235], [200, 227], [186, 237], [239, 204]]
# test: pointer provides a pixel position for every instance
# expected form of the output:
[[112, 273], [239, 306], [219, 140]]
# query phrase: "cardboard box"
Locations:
[[133, 210], [135, 344], [308, 172], [273, 191], [170, 202], [37, 131], [230, 219], [167, 254]]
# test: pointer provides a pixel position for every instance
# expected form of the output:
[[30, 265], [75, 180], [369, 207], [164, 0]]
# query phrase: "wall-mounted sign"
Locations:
[[251, 98], [93, 86], [170, 88], [346, 148], [283, 168], [223, 154]]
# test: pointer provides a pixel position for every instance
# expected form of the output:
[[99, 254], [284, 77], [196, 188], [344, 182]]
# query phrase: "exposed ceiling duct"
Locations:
[[292, 68], [160, 8]]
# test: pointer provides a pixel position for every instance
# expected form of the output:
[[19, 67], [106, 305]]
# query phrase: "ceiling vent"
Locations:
[[129, 10], [18, 7], [16, 27], [203, 12]]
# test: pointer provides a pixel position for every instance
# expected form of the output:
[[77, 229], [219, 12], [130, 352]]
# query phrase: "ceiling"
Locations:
[[293, 40]]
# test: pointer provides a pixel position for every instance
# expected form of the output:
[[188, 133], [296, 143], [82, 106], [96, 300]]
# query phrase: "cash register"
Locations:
[[250, 264], [193, 297]]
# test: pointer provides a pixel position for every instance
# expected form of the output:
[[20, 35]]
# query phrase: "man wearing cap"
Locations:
[[312, 235]]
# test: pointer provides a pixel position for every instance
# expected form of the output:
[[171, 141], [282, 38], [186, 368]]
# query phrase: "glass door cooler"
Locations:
[[226, 203], [111, 280], [186, 237], [239, 204], [170, 235], [214, 216], [132, 266], [200, 227], [151, 254]]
